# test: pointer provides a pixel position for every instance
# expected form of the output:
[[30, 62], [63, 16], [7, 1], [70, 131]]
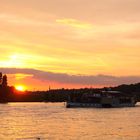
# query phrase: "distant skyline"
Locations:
[[75, 43]]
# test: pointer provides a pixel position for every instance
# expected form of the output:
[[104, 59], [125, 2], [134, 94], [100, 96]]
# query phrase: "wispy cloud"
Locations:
[[74, 23]]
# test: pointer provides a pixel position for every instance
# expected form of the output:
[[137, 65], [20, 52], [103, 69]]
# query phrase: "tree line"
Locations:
[[10, 94]]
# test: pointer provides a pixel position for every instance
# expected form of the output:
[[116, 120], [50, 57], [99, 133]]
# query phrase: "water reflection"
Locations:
[[52, 121]]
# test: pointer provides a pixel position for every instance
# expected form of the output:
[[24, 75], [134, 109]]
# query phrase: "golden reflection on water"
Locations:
[[52, 121]]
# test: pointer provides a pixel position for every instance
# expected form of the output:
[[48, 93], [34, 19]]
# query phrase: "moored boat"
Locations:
[[104, 99]]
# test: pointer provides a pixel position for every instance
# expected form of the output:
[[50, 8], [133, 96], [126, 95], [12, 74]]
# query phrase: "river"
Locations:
[[52, 121]]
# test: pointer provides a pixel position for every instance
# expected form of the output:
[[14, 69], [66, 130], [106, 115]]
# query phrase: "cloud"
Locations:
[[74, 23], [100, 80]]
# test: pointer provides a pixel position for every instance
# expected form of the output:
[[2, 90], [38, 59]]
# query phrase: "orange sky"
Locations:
[[75, 37]]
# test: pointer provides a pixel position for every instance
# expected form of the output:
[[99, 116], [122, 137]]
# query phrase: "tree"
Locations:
[[4, 81]]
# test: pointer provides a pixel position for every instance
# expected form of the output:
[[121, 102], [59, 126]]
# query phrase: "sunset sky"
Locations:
[[70, 43]]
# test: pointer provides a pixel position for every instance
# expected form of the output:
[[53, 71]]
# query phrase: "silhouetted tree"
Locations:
[[4, 81], [4, 90]]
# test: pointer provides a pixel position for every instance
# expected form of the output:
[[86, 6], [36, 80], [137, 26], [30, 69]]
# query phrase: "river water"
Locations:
[[52, 121]]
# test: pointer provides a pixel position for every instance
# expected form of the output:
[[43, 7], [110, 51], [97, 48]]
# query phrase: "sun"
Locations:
[[20, 88]]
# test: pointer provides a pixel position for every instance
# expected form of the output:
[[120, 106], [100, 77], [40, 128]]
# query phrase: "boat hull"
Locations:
[[97, 105]]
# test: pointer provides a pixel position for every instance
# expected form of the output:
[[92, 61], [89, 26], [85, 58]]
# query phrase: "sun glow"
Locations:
[[20, 88]]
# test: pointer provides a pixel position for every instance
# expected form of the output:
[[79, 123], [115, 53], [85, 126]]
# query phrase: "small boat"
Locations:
[[104, 99]]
